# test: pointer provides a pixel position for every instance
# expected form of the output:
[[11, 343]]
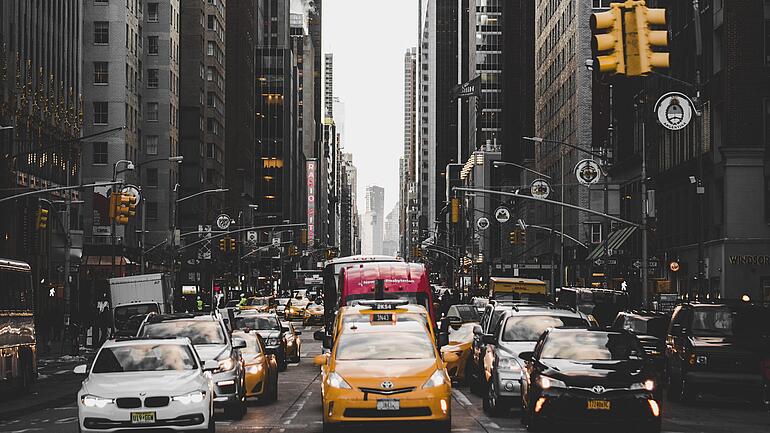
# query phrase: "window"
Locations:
[[151, 207], [152, 177], [101, 32], [767, 32], [212, 22], [101, 116], [152, 111], [100, 152], [152, 45], [596, 233], [151, 145], [152, 78], [101, 73], [152, 12], [210, 73], [210, 48], [211, 150]]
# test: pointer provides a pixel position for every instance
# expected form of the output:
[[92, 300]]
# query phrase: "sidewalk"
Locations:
[[56, 384]]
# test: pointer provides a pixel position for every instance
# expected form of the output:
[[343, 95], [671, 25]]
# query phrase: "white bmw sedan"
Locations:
[[146, 384]]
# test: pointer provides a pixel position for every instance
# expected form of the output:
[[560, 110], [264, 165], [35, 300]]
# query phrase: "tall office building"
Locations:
[[329, 85], [41, 116], [390, 234], [373, 220], [202, 115], [408, 218]]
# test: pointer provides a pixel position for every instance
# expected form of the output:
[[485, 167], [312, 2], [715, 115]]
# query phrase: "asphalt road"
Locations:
[[298, 409]]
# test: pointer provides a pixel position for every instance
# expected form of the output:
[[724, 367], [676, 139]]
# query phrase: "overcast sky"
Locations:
[[368, 40]]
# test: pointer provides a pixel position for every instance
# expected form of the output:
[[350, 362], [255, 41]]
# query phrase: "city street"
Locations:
[[298, 409]]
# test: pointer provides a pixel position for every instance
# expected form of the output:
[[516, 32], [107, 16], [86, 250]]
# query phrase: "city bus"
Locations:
[[18, 365]]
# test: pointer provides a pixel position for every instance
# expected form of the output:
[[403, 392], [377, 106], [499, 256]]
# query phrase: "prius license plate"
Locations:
[[388, 404], [142, 417], [598, 405]]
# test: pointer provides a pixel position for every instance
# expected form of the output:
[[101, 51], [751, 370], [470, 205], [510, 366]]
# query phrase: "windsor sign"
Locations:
[[750, 260]]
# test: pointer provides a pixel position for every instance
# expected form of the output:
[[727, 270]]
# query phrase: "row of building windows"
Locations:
[[557, 29]]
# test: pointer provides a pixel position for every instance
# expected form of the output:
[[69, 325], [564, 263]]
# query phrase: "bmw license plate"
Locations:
[[598, 405], [142, 417], [388, 404]]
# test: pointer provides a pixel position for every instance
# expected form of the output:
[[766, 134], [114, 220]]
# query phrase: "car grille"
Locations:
[[381, 391], [128, 402], [156, 401], [374, 413], [227, 389]]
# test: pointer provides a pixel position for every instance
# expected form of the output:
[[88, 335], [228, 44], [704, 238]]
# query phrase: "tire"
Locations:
[[474, 380], [236, 411], [274, 391], [330, 427], [282, 364], [674, 387], [494, 405], [651, 427], [443, 426]]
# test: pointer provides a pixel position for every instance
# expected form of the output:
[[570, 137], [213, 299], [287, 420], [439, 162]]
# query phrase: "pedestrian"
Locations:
[[199, 304], [102, 318], [243, 301]]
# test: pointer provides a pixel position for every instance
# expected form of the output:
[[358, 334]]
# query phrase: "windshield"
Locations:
[[530, 328], [259, 301], [257, 322], [197, 331], [123, 313], [145, 357], [252, 346], [655, 326], [712, 322], [463, 334], [382, 346], [589, 345], [466, 312]]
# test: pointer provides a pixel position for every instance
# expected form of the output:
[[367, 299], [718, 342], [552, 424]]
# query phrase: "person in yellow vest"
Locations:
[[243, 301], [199, 304]]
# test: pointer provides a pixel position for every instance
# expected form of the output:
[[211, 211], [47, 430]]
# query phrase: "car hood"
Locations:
[[611, 374], [153, 383], [513, 348], [212, 351], [402, 372]]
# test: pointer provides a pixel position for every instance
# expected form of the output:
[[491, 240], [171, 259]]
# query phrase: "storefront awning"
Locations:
[[614, 242]]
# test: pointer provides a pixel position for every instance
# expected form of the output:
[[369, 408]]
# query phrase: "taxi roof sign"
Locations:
[[382, 304]]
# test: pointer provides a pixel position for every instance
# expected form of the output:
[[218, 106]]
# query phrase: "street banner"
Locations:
[[310, 170], [467, 89]]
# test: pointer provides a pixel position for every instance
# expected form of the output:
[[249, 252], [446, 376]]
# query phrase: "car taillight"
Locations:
[[766, 368]]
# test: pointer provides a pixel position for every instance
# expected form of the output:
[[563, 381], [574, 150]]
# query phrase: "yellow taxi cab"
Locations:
[[460, 344], [314, 314], [295, 309], [404, 311], [263, 304], [384, 369], [261, 368]]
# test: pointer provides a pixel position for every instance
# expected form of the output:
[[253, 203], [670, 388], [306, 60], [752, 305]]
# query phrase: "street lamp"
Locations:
[[498, 164]]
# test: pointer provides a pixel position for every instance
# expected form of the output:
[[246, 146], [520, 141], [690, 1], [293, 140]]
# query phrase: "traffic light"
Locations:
[[455, 210], [607, 40], [642, 40], [232, 244], [223, 244], [522, 236], [123, 208], [42, 218], [303, 236], [514, 237]]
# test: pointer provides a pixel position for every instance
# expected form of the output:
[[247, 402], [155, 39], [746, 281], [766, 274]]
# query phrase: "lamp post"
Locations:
[[113, 238], [143, 233]]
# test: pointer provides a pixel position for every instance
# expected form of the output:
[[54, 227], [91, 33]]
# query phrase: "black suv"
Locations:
[[718, 348], [270, 328], [650, 328], [212, 341]]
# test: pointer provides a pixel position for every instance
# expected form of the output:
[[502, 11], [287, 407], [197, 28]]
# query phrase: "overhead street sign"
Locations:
[[482, 223], [674, 110], [502, 214]]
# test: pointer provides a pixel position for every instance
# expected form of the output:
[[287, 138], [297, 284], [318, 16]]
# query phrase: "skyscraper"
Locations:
[[373, 221], [408, 216], [329, 85]]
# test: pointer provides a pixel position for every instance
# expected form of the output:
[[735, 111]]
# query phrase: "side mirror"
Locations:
[[210, 365], [81, 369], [527, 356], [320, 360], [477, 330], [285, 328], [327, 342], [297, 332], [488, 339], [319, 335], [443, 339], [239, 343]]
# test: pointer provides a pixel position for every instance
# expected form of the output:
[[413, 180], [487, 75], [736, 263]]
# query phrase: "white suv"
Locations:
[[147, 383]]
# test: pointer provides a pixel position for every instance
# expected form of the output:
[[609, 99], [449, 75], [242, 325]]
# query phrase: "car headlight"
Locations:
[[193, 397], [254, 369], [273, 341], [226, 364], [336, 381], [549, 382], [438, 378], [95, 401], [648, 385], [509, 364]]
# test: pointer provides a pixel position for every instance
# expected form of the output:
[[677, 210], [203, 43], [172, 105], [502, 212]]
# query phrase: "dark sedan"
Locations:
[[590, 377]]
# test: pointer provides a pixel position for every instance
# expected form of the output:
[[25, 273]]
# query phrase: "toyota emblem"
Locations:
[[598, 389], [387, 385]]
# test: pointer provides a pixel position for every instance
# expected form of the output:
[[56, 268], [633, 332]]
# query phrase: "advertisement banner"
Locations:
[[310, 170]]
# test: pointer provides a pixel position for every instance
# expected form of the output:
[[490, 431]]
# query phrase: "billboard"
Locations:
[[311, 167]]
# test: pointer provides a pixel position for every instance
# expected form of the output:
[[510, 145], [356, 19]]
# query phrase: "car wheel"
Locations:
[[474, 379], [492, 401], [330, 427], [282, 364], [534, 424], [444, 426], [651, 427], [274, 390], [673, 387]]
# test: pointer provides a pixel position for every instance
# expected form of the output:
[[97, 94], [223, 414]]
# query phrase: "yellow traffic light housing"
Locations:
[[131, 205], [223, 244], [646, 32], [303, 236], [123, 207], [607, 42], [112, 206], [455, 203], [42, 218], [232, 245], [514, 237], [522, 236]]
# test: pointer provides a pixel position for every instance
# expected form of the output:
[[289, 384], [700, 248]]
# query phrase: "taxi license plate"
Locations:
[[142, 417], [388, 404], [598, 405]]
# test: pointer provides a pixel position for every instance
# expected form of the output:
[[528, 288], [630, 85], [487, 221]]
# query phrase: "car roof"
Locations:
[[136, 341], [544, 310], [255, 313], [367, 309], [157, 318], [395, 327]]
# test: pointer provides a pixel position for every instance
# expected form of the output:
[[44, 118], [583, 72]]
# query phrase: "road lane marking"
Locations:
[[461, 398], [67, 420], [300, 406]]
